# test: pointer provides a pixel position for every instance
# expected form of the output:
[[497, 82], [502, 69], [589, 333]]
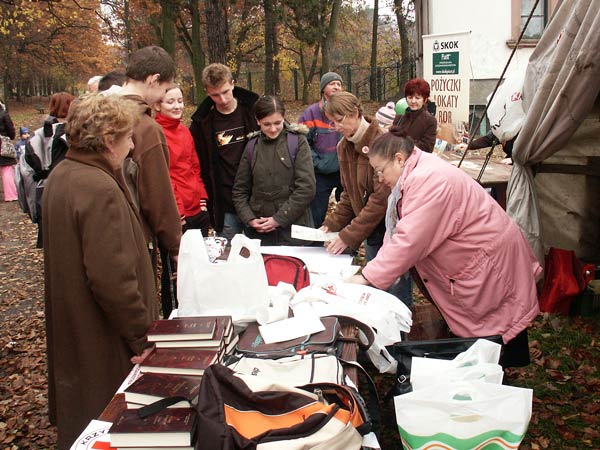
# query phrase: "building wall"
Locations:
[[492, 24]]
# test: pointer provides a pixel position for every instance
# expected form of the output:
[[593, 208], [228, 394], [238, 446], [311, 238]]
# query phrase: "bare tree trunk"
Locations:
[[270, 43], [404, 44], [373, 77], [198, 57], [308, 75], [329, 38], [217, 30], [128, 32], [169, 13]]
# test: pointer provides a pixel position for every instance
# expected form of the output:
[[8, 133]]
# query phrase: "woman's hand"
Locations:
[[336, 247], [358, 279], [460, 147], [137, 359], [264, 224]]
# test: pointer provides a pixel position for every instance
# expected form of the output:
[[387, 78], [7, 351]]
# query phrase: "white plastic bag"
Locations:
[[465, 415], [478, 363], [236, 287], [378, 309], [382, 311], [482, 351], [505, 112], [426, 372]]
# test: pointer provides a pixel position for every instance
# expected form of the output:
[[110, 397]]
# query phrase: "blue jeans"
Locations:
[[403, 289], [320, 203], [232, 225]]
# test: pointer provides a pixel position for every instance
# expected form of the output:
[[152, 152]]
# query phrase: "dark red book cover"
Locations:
[[179, 361], [150, 387], [224, 325], [182, 329], [167, 427]]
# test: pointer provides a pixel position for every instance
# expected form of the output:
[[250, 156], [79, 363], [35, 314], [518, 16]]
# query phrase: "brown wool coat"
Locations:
[[100, 294], [149, 178], [363, 202], [420, 125]]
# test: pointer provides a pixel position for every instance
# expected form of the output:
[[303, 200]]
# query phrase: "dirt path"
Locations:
[[23, 393]]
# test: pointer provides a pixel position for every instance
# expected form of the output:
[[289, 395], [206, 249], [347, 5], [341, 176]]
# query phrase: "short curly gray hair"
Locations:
[[95, 116]]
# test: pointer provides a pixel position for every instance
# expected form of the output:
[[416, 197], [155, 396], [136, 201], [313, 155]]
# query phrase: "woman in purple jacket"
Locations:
[[472, 258]]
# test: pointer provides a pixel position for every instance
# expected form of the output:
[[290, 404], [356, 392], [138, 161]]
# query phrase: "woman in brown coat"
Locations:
[[100, 293], [359, 215], [417, 122]]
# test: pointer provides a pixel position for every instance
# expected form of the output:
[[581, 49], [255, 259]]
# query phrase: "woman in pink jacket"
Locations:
[[472, 258]]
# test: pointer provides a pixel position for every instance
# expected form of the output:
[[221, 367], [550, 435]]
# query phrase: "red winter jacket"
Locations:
[[184, 168]]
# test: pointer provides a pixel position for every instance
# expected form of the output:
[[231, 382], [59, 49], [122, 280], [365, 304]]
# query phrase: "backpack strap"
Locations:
[[292, 144], [250, 149]]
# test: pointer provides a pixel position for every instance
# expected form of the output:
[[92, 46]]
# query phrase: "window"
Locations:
[[520, 10], [538, 18]]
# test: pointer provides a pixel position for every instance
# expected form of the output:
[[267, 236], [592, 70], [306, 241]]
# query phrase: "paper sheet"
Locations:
[[312, 234], [291, 328], [96, 431], [321, 265]]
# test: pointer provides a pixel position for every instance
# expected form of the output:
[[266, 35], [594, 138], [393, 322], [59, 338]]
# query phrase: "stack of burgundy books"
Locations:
[[183, 349]]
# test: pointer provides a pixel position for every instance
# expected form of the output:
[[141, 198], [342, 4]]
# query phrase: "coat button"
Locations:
[[282, 158], [425, 280]]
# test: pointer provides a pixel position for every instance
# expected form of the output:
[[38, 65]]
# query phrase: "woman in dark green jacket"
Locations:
[[275, 182]]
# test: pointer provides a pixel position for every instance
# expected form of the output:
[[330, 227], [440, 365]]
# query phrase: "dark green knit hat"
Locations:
[[328, 78]]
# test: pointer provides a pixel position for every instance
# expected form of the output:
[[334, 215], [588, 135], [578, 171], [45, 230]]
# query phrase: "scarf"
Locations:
[[360, 132], [391, 214]]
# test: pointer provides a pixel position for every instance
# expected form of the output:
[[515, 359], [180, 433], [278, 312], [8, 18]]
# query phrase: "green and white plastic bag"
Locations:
[[464, 415]]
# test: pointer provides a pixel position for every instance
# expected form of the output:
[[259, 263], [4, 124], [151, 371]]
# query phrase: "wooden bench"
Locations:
[[40, 109]]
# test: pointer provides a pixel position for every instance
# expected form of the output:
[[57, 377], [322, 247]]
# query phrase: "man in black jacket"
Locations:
[[219, 127]]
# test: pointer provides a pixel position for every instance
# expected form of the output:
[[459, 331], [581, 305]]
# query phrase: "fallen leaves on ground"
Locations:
[[23, 384]]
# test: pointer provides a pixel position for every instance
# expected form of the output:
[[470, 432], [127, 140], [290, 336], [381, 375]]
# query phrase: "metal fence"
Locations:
[[389, 81]]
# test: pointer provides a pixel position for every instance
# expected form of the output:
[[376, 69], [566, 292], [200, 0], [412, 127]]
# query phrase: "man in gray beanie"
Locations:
[[323, 140]]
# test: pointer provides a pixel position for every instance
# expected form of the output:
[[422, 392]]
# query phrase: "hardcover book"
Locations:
[[201, 344], [151, 387], [179, 361], [223, 329], [186, 328], [169, 427]]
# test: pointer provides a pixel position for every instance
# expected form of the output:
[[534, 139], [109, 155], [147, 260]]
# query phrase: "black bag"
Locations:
[[403, 352]]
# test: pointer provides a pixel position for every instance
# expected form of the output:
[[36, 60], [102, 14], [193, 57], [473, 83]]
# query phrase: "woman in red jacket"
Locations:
[[188, 187]]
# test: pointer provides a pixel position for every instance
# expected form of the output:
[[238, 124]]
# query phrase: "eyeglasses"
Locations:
[[338, 121], [379, 172]]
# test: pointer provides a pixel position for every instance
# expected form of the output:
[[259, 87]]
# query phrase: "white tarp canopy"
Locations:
[[561, 85]]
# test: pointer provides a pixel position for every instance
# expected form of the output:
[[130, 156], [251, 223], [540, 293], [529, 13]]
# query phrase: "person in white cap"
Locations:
[[323, 139], [385, 115], [93, 83]]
